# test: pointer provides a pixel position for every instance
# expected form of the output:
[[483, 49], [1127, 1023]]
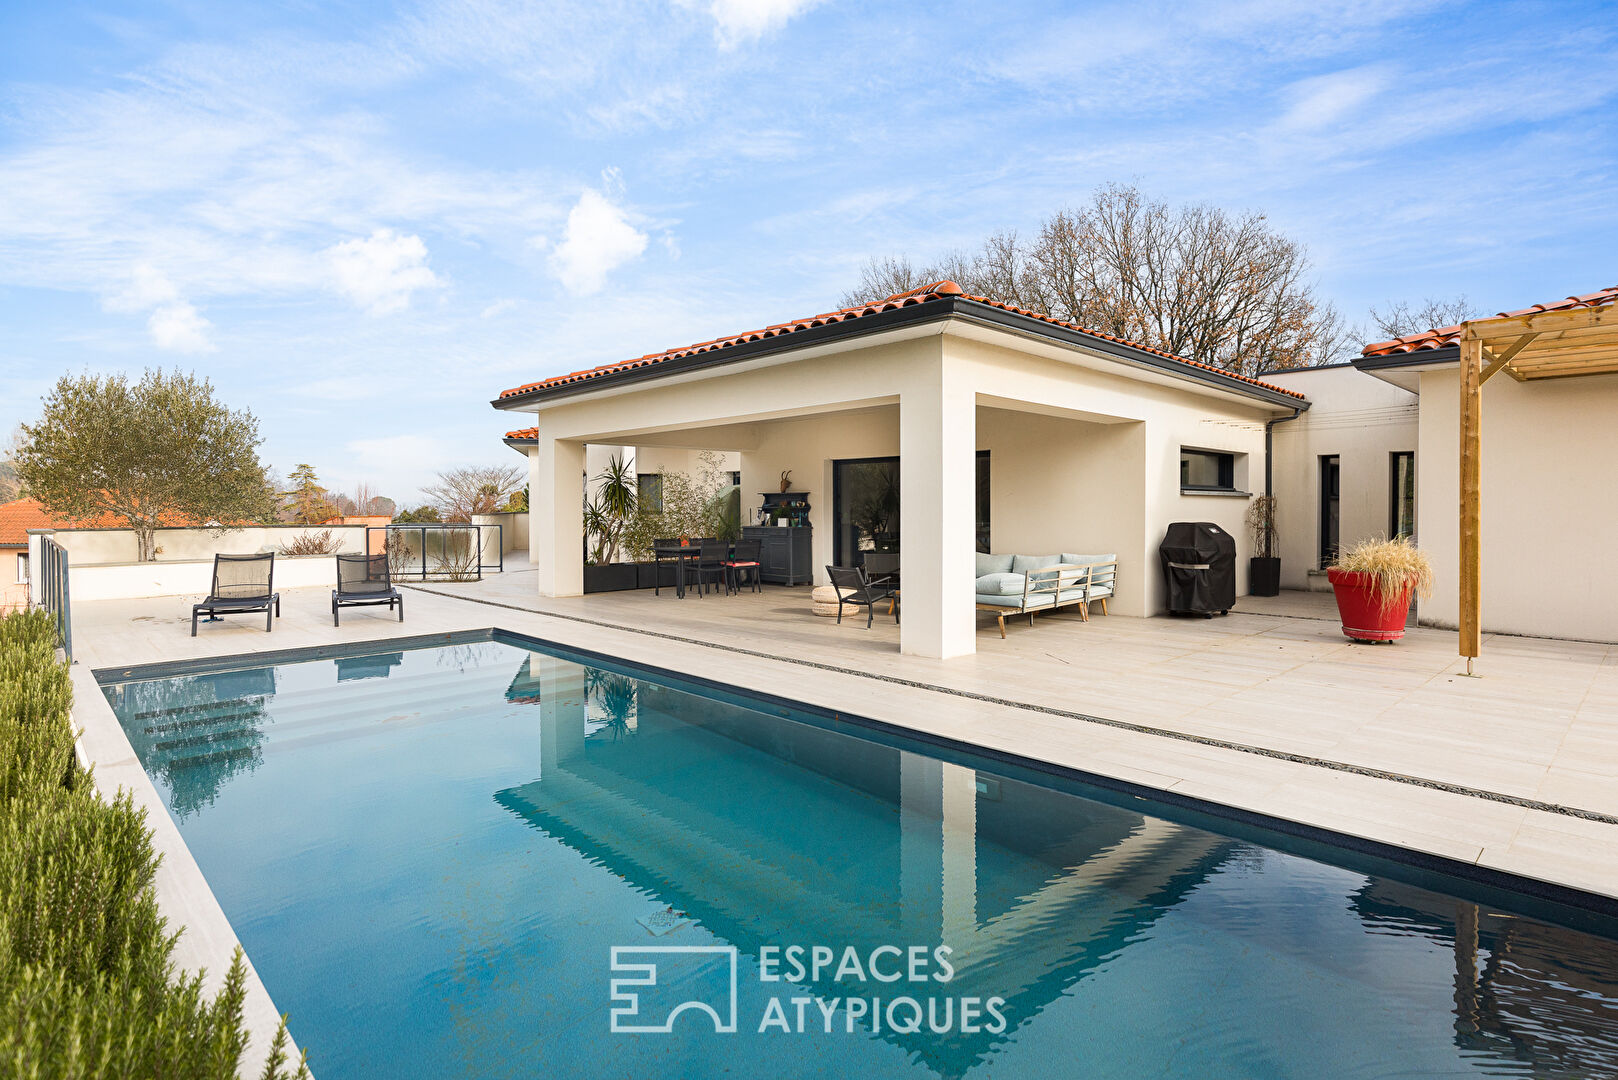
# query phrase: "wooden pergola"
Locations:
[[1550, 344]]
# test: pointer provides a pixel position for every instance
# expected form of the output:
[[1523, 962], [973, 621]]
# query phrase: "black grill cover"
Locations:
[[1199, 567]]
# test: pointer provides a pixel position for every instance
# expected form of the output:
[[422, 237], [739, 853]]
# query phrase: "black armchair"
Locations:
[[855, 590]]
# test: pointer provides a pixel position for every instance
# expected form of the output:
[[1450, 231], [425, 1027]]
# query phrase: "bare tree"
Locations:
[[367, 502], [1400, 319], [1196, 281], [473, 489], [10, 483]]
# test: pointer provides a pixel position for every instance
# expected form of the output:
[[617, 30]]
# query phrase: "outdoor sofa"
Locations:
[[1023, 584]]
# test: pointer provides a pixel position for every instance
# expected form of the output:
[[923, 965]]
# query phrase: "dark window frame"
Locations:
[[1330, 546], [640, 489], [1225, 467], [978, 500], [1395, 499]]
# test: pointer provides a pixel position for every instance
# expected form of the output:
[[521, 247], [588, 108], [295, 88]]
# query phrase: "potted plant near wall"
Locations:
[[604, 522], [1264, 568], [1374, 581]]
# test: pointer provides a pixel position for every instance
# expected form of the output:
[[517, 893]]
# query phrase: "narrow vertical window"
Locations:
[[1402, 494]]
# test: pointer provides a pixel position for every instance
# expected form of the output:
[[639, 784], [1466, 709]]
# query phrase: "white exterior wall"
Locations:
[[1363, 421], [124, 581], [1549, 504], [1124, 501], [98, 546]]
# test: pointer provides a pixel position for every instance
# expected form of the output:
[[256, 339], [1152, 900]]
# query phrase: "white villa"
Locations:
[[1008, 431]]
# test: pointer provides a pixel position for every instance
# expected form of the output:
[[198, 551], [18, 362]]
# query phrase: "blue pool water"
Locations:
[[432, 856]]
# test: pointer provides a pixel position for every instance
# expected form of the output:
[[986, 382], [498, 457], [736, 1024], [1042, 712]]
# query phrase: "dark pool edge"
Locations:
[[1488, 878], [1349, 768], [213, 665]]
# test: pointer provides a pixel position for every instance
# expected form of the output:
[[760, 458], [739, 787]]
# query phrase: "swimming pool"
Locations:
[[496, 859]]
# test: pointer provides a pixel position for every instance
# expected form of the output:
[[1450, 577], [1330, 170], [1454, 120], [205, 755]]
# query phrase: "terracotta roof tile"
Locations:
[[20, 515], [527, 434], [935, 291], [1443, 336]]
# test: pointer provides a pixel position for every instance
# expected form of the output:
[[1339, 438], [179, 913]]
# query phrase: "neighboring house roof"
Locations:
[[1444, 336], [20, 515], [947, 298]]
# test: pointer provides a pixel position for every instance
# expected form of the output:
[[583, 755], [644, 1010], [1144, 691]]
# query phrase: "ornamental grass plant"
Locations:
[[88, 986], [1395, 568]]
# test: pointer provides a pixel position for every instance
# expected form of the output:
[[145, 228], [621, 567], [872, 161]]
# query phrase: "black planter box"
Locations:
[[655, 575], [1264, 577], [610, 577]]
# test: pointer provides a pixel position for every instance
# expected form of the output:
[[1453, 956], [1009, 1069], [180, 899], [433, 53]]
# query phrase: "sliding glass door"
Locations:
[[865, 507]]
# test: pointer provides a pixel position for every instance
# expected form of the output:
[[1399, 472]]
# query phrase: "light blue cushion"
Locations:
[[993, 564], [1001, 584], [1015, 603], [1021, 564], [1082, 559]]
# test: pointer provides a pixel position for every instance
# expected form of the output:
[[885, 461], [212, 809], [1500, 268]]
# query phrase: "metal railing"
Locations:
[[440, 551], [49, 589]]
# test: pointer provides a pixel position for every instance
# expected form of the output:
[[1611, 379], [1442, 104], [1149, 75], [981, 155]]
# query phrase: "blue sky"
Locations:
[[364, 221]]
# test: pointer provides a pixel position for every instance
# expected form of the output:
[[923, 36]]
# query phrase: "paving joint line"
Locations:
[[1051, 710]]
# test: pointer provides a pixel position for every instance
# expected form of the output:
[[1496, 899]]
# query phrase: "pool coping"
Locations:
[[1490, 885]]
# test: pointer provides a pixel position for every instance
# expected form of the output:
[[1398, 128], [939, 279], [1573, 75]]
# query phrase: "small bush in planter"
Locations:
[[1373, 582]]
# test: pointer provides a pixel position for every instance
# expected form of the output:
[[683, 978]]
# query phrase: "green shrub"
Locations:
[[88, 987]]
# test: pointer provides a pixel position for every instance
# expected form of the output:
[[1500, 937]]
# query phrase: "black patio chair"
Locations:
[[241, 584], [744, 565], [855, 590], [710, 563], [363, 580]]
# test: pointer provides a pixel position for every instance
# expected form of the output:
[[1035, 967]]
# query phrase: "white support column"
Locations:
[[536, 519], [556, 500], [937, 513]]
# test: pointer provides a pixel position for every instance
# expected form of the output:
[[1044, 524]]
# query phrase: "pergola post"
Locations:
[[1471, 613]]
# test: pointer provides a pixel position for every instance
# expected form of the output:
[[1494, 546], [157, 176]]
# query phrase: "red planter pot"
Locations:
[[1364, 618]]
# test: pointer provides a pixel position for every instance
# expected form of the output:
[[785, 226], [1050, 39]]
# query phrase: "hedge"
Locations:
[[88, 986]]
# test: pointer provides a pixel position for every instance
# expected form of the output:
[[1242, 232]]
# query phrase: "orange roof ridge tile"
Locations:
[[1443, 336], [937, 290]]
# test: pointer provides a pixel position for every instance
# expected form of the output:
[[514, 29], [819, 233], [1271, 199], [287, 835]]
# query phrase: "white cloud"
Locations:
[[1324, 100], [179, 327], [598, 239], [499, 307], [147, 287], [381, 272], [173, 323], [738, 22]]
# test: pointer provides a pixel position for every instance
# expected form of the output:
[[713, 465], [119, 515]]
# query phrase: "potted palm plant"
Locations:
[[1264, 568], [605, 519], [1374, 581]]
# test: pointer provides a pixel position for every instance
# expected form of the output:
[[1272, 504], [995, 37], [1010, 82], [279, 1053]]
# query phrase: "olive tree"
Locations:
[[160, 451]]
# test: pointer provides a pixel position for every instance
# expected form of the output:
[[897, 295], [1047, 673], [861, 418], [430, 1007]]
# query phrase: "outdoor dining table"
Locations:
[[681, 557]]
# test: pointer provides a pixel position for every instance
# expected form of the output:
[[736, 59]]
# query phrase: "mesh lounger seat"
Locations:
[[241, 584], [363, 580]]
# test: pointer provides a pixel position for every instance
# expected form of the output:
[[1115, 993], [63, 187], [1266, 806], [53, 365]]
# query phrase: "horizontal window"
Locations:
[[1207, 470]]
